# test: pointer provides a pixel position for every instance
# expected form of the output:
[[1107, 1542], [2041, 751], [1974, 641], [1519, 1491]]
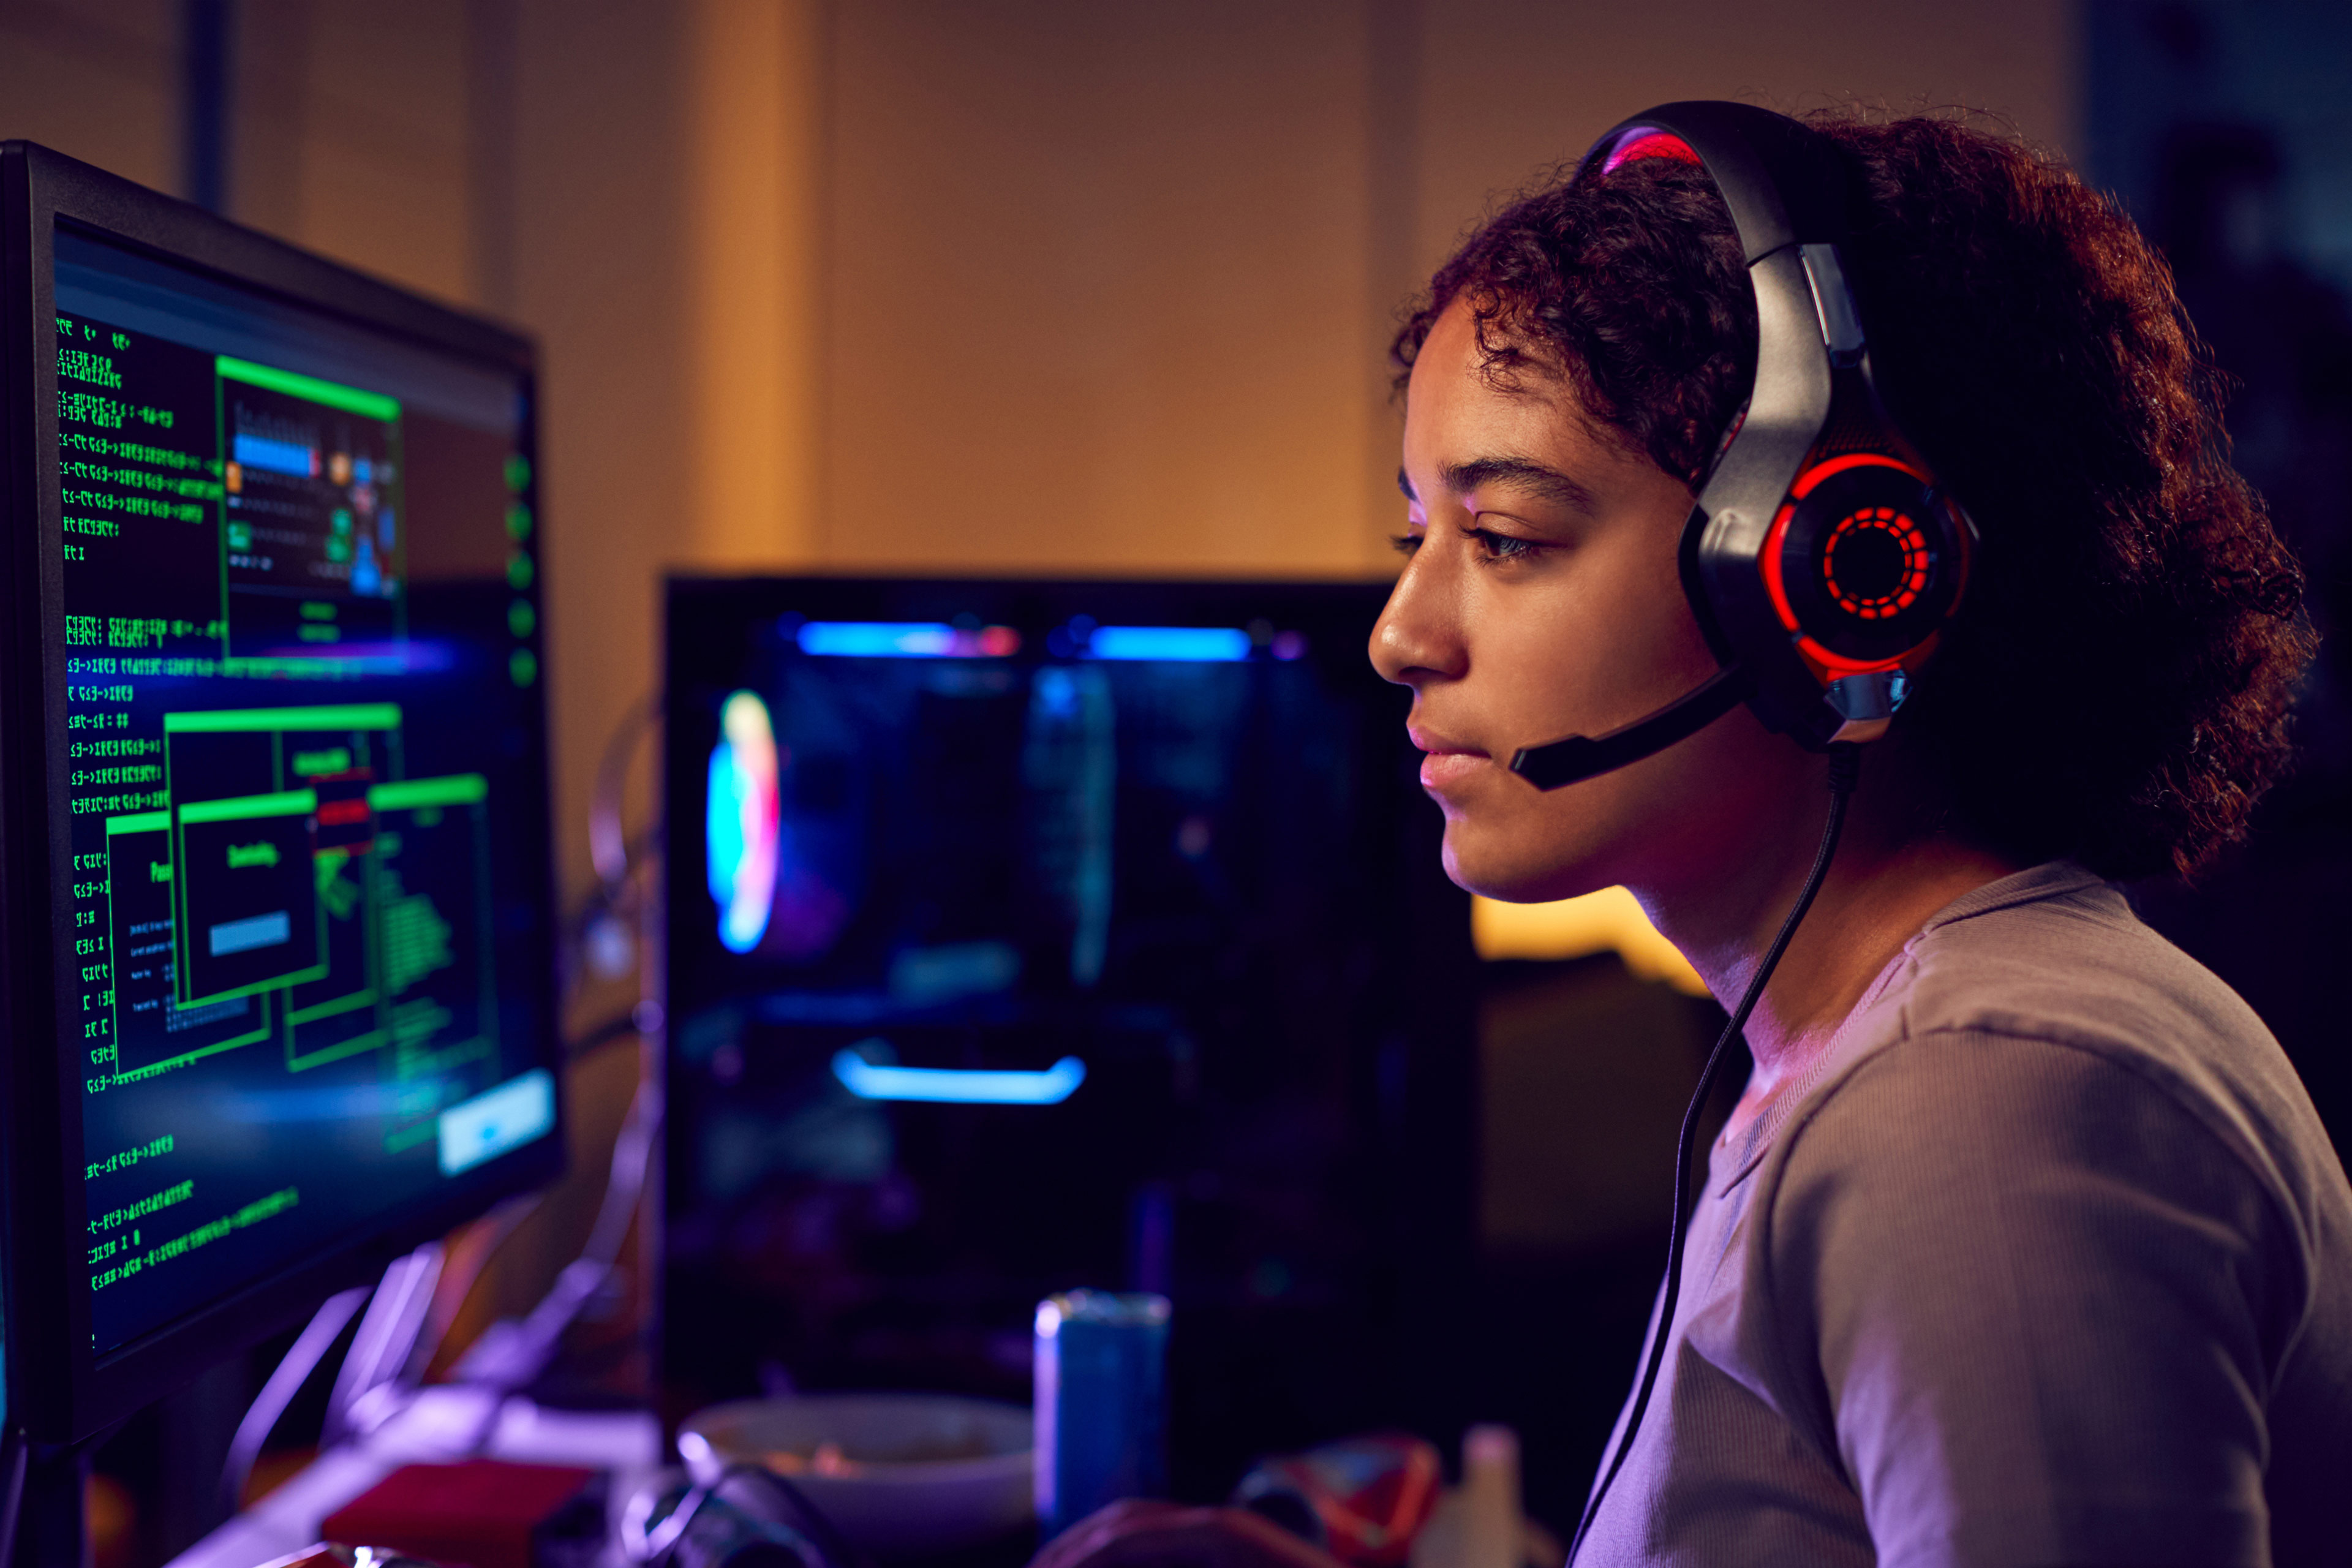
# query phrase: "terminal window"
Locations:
[[303, 778]]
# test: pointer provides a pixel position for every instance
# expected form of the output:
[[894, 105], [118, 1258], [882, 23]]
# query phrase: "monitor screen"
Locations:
[[1025, 936], [297, 749]]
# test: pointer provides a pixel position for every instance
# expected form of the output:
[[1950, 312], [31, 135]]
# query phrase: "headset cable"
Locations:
[[1845, 770]]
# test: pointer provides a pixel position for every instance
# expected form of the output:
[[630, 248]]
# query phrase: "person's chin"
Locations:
[[1490, 866]]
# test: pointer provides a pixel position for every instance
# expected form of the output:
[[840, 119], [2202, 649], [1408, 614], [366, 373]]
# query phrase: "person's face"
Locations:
[[1541, 599]]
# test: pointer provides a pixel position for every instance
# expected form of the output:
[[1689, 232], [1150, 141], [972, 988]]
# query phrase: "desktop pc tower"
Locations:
[[1031, 935]]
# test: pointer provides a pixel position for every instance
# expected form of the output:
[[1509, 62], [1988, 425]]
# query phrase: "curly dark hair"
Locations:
[[2115, 685]]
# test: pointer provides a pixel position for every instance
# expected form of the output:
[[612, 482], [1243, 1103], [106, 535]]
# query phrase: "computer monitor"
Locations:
[[1028, 935], [276, 943]]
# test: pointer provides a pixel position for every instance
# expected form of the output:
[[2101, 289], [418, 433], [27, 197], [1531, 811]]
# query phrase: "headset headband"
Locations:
[[1815, 481]]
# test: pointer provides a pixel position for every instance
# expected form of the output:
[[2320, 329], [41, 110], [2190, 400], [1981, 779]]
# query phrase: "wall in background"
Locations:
[[1109, 287], [1096, 288], [351, 134], [1504, 88], [99, 81]]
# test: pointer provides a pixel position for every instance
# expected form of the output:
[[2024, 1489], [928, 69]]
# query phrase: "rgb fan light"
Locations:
[[740, 822]]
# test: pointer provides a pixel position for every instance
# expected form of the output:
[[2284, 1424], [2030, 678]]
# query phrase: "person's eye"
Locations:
[[1499, 547], [1405, 543]]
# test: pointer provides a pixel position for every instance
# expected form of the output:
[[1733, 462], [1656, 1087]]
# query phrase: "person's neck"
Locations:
[[1880, 889]]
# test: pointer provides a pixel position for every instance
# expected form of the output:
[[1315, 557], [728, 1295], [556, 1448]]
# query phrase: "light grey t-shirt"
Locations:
[[2049, 1263]]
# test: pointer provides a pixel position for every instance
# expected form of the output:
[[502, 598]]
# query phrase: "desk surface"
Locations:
[[440, 1425]]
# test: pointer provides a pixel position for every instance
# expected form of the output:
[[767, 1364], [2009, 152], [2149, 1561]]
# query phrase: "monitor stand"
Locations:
[[49, 1491]]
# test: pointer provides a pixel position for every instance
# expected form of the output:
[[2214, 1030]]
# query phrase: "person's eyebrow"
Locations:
[[1521, 474], [1405, 484]]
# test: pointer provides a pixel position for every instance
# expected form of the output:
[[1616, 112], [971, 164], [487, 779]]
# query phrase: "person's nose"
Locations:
[[1418, 633]]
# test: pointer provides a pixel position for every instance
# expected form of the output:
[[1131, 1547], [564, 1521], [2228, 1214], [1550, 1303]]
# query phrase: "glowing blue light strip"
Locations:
[[904, 640], [878, 639], [1194, 645], [949, 1085]]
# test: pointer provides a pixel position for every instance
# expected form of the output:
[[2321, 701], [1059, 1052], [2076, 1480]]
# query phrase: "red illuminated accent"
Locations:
[[1908, 537], [1812, 477], [1826, 666], [343, 813], [1775, 536], [1650, 144]]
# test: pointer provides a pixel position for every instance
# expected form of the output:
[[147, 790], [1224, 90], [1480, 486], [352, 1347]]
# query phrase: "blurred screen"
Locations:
[[1032, 936]]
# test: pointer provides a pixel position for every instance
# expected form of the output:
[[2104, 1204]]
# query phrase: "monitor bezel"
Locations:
[[59, 1391]]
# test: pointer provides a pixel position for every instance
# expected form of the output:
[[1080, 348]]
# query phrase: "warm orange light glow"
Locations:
[[1606, 921], [753, 200]]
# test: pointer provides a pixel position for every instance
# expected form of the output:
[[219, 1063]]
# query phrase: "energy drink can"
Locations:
[[1102, 1402]]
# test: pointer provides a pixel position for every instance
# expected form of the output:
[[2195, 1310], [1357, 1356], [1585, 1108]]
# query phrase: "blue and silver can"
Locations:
[[1102, 1402]]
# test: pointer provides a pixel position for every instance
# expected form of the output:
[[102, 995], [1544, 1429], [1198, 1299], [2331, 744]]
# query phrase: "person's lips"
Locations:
[[1449, 761]]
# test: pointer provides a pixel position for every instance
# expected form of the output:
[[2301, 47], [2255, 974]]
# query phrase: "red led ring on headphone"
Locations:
[[1906, 535]]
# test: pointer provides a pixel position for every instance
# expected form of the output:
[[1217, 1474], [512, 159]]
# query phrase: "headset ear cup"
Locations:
[[1870, 560]]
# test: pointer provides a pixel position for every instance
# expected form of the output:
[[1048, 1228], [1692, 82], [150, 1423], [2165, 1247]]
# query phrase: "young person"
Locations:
[[2023, 1245]]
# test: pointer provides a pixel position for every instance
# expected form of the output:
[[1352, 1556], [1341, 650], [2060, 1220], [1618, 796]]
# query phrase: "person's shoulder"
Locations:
[[2044, 997], [2055, 1181], [2055, 953]]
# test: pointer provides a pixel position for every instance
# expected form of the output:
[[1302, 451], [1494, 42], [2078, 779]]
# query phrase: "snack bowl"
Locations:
[[901, 1475]]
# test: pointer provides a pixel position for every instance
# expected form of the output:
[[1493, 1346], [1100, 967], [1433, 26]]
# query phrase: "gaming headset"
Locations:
[[1822, 557]]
